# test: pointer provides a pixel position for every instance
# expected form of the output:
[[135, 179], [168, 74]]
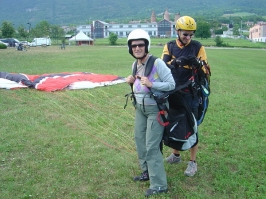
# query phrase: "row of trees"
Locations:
[[42, 29]]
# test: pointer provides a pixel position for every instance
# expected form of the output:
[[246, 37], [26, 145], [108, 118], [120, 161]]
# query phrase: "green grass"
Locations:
[[238, 14], [206, 42], [79, 143]]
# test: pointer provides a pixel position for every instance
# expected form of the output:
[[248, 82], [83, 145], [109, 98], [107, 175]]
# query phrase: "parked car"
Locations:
[[1, 42], [25, 43], [11, 41]]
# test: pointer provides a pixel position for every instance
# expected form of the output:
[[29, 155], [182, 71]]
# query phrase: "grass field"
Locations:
[[206, 42], [79, 143], [237, 14]]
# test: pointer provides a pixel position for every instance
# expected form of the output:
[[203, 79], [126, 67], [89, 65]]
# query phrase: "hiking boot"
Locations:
[[191, 169], [173, 159], [142, 177], [151, 192]]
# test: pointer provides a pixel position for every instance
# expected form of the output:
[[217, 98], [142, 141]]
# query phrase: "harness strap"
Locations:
[[132, 96], [162, 114]]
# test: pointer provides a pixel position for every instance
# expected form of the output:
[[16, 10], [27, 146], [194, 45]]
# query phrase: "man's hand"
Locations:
[[180, 61], [194, 62]]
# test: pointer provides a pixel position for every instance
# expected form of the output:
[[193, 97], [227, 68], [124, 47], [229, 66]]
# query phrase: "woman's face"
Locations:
[[138, 48]]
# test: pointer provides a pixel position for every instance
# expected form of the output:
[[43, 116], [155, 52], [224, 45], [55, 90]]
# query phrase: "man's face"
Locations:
[[186, 35], [138, 48]]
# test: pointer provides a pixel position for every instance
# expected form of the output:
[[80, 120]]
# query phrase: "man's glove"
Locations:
[[180, 61], [194, 62]]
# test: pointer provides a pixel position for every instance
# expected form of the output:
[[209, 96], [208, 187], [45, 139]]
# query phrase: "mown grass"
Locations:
[[79, 143], [244, 43]]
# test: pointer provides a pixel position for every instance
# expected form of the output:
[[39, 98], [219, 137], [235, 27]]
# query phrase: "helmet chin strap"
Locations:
[[141, 58], [144, 56], [180, 40]]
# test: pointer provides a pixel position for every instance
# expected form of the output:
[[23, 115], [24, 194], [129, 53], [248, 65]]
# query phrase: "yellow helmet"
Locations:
[[186, 23]]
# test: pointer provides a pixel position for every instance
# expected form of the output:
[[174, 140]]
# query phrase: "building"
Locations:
[[101, 29], [258, 32]]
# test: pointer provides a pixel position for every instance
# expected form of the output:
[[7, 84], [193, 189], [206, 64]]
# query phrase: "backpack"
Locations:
[[180, 128], [181, 131]]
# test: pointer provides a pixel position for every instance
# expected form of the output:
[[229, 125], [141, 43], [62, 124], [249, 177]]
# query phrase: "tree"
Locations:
[[7, 29], [224, 28], [42, 29], [224, 20], [203, 30], [214, 24], [112, 38], [236, 29], [57, 32], [221, 30], [22, 32], [218, 32]]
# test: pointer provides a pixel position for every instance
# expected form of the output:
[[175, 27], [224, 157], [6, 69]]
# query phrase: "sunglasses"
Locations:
[[137, 45], [185, 34]]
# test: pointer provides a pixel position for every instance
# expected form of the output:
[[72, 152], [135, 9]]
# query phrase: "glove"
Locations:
[[194, 62], [180, 61]]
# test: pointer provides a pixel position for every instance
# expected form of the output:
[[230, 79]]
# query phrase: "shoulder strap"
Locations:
[[195, 47], [170, 46], [148, 68], [149, 65], [134, 71]]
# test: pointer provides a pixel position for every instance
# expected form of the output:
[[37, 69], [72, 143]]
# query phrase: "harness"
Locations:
[[148, 69], [200, 86], [194, 47]]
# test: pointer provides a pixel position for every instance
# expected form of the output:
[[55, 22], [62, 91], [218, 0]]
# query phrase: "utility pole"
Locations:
[[241, 27], [29, 30], [75, 37], [93, 28]]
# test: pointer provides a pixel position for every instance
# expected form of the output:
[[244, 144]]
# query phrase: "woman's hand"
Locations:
[[130, 79], [145, 81]]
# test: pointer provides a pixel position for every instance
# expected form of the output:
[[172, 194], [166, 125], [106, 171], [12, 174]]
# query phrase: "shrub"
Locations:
[[219, 42], [112, 38], [3, 46]]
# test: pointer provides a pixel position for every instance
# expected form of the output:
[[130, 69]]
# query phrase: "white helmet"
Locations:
[[139, 34]]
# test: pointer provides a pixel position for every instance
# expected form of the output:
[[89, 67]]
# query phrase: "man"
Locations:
[[179, 55], [148, 131]]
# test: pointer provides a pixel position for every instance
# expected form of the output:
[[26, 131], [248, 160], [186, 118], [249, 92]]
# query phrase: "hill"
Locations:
[[67, 12]]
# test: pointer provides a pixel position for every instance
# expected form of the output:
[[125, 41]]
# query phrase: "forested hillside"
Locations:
[[66, 12]]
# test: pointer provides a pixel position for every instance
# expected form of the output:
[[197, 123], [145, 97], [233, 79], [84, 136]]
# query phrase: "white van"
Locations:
[[41, 42]]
